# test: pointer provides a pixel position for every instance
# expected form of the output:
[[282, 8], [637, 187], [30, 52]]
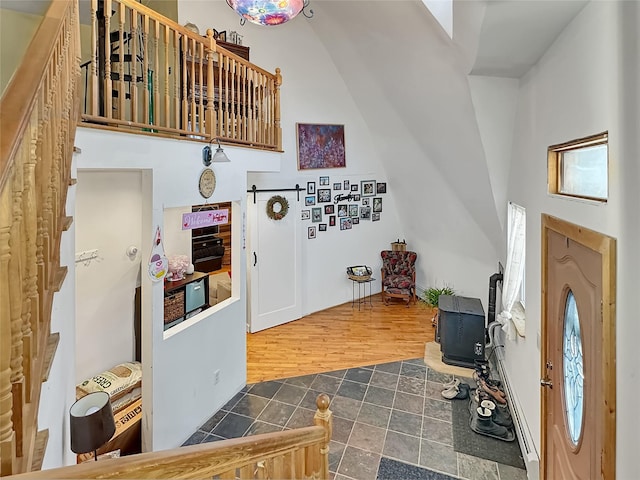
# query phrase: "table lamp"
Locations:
[[91, 423]]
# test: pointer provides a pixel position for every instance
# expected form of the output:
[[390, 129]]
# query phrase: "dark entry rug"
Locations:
[[393, 470], [467, 441]]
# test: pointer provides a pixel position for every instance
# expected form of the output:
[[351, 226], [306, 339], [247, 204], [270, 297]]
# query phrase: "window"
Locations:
[[580, 168]]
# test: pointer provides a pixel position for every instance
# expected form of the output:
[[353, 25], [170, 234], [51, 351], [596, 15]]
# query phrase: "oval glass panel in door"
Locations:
[[572, 369]]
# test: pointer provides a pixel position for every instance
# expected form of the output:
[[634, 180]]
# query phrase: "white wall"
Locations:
[[108, 218], [585, 84], [178, 365], [314, 92]]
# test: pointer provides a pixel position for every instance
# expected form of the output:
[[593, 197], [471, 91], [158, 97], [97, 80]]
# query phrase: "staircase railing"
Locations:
[[301, 453], [38, 117], [151, 74]]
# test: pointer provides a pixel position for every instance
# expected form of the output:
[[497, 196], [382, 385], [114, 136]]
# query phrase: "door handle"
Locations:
[[255, 259], [546, 383]]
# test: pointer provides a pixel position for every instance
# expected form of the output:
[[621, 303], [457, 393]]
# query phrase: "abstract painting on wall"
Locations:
[[320, 146]]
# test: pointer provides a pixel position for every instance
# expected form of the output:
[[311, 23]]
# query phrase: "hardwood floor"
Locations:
[[338, 338]]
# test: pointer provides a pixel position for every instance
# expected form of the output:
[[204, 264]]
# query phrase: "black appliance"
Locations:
[[461, 329], [207, 250]]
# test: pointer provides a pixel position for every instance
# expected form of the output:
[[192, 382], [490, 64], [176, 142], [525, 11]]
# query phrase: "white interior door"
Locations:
[[274, 263]]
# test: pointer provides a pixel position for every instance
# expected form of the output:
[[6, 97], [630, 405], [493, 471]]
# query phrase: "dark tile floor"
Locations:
[[392, 410]]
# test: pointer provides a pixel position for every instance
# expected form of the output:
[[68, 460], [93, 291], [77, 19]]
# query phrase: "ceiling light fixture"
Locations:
[[269, 12], [218, 157]]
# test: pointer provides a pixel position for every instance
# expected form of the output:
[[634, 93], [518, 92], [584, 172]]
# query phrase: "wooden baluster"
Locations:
[[29, 228], [184, 80], [108, 83], [122, 86], [276, 117], [176, 78], [210, 122], [243, 102], [145, 67], [94, 59], [16, 304], [323, 418], [155, 81], [134, 65], [233, 65], [30, 289], [7, 435], [192, 87], [167, 77], [201, 113], [227, 97]]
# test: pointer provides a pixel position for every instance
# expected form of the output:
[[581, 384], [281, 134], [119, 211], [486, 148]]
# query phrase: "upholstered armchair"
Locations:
[[398, 274]]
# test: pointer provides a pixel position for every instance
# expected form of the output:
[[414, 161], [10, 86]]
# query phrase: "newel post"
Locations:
[[323, 418]]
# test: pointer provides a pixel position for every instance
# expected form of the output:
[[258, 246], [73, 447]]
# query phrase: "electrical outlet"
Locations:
[[216, 377]]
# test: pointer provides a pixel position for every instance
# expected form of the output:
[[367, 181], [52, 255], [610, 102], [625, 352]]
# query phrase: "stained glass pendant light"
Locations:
[[267, 12]]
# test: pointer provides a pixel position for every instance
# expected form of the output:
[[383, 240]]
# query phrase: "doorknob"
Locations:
[[546, 383]]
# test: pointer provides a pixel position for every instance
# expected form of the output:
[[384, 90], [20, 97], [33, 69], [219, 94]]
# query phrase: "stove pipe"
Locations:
[[491, 312]]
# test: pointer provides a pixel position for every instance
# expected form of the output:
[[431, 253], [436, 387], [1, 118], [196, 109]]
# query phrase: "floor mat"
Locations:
[[392, 469], [467, 441]]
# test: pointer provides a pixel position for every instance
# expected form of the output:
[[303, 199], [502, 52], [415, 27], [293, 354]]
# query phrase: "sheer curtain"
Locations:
[[514, 269]]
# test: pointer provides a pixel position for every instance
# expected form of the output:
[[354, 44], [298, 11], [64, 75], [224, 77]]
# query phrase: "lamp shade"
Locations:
[[267, 12], [91, 422]]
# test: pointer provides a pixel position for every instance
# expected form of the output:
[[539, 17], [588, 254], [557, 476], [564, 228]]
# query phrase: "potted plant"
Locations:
[[432, 294]]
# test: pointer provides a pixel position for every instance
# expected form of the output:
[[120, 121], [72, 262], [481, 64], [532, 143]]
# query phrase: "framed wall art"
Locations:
[[377, 204], [316, 214], [368, 188], [306, 214], [375, 217], [332, 221], [345, 223], [355, 220], [311, 232], [337, 186], [353, 210], [345, 184], [381, 187], [311, 188], [322, 227], [324, 181], [320, 146], [310, 200], [329, 209], [324, 195]]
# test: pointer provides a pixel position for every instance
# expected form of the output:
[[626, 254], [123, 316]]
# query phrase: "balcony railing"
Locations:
[[148, 73]]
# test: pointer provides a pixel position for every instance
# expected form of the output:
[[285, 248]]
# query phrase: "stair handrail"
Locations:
[[297, 453], [38, 118]]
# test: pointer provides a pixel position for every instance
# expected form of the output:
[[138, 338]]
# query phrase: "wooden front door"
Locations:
[[578, 352]]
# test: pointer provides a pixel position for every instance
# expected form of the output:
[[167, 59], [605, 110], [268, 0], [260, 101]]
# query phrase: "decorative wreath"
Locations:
[[284, 207]]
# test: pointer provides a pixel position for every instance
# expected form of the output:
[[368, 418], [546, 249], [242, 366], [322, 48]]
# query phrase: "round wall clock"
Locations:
[[207, 183]]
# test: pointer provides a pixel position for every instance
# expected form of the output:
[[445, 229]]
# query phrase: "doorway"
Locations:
[[578, 375]]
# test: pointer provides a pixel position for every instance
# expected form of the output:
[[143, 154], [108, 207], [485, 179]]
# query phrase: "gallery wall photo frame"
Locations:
[[381, 187], [320, 146], [368, 188]]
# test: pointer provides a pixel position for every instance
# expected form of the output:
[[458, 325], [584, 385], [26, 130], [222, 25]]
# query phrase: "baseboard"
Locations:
[[525, 439]]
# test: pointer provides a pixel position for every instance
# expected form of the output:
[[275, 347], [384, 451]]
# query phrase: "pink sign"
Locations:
[[206, 218]]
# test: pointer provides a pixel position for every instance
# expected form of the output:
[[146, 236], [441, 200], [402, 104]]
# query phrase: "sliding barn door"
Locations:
[[274, 263]]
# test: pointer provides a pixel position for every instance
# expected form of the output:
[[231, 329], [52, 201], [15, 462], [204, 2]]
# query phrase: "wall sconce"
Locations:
[[91, 423], [217, 157]]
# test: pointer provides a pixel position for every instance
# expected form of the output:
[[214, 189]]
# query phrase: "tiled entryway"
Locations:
[[392, 410]]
